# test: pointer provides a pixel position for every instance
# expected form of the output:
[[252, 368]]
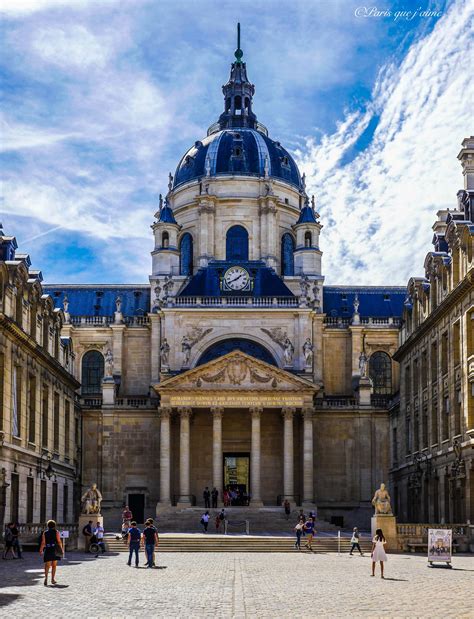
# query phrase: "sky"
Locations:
[[101, 98]]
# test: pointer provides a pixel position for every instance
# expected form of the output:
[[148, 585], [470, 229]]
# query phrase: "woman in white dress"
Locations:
[[378, 551]]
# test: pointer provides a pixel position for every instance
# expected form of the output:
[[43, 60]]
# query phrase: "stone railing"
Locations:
[[340, 402], [29, 534], [136, 402], [92, 402], [343, 322], [412, 537], [232, 302], [105, 321]]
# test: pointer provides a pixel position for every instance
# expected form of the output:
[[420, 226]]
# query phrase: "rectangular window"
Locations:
[[67, 426], [457, 412], [30, 488], [424, 422], [457, 343], [424, 369], [446, 418], [416, 377], [54, 502], [33, 322], [56, 423], [434, 423], [407, 435], [32, 409], [395, 446], [434, 363], [407, 383], [16, 403], [416, 432], [2, 387], [43, 502], [444, 352], [45, 334], [66, 503], [45, 417], [15, 497]]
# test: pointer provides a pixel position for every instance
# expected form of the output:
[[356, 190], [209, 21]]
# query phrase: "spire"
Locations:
[[238, 93]]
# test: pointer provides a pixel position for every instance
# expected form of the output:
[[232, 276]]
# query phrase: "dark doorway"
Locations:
[[237, 477], [136, 502]]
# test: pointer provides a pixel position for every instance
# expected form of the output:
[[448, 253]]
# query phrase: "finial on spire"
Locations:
[[160, 202], [238, 52], [313, 203]]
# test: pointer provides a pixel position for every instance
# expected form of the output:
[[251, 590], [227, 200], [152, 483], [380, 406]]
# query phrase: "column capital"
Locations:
[[185, 412], [288, 413], [307, 412], [165, 412], [217, 412], [256, 412]]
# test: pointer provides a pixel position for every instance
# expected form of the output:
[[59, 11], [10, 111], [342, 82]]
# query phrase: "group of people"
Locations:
[[305, 526], [12, 541], [147, 539], [218, 521], [233, 495], [94, 537], [210, 495]]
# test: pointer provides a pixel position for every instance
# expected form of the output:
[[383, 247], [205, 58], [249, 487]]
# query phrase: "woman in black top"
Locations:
[[50, 541]]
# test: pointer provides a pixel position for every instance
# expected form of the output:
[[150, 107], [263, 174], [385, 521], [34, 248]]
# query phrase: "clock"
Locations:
[[236, 278]]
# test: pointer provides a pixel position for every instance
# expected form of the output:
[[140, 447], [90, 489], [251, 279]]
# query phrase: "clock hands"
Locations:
[[236, 278]]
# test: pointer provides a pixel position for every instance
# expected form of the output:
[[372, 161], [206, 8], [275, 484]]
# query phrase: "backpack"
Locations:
[[8, 535]]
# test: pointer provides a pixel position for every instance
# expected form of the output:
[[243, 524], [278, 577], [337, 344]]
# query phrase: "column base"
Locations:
[[162, 506], [256, 503], [388, 524], [183, 502]]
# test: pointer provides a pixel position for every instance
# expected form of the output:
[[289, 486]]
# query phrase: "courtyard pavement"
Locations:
[[238, 585]]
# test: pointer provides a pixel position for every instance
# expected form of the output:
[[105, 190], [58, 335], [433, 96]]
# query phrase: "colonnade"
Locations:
[[185, 413]]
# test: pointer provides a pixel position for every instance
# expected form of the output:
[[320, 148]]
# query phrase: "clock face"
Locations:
[[236, 278]]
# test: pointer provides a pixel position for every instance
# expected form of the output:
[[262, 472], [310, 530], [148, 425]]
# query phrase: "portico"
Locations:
[[232, 405]]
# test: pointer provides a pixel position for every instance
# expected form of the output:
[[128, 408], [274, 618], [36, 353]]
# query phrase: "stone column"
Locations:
[[184, 456], [308, 464], [255, 458], [165, 415], [288, 472], [217, 463]]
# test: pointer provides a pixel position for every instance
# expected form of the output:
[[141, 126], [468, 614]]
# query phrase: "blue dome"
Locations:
[[237, 151]]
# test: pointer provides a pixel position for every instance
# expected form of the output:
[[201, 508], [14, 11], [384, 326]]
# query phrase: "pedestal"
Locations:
[[83, 520], [108, 392], [388, 524], [365, 391]]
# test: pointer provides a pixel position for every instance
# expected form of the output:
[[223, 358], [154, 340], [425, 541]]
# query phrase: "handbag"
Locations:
[[58, 551]]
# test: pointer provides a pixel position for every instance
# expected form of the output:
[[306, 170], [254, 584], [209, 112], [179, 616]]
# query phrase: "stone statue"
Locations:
[[118, 305], [165, 352], [186, 349], [308, 352], [381, 501], [303, 180], [160, 202], [170, 181], [91, 501], [66, 305], [266, 167], [304, 285], [363, 364], [167, 286], [356, 304], [288, 351], [109, 363], [208, 166], [268, 189]]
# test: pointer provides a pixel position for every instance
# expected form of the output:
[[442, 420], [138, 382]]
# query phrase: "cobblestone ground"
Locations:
[[222, 585]]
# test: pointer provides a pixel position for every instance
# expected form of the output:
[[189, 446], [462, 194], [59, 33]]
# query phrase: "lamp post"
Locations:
[[48, 471]]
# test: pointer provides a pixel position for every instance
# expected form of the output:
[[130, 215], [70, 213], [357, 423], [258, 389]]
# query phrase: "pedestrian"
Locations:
[[149, 541], [99, 535], [299, 532], [16, 540], [205, 521], [214, 496], [134, 537], [287, 507], [127, 514], [125, 528], [226, 498], [8, 537], [52, 550], [303, 516], [206, 495], [378, 551], [355, 541], [309, 530], [87, 532]]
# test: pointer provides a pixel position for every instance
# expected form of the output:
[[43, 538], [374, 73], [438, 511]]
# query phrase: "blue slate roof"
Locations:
[[206, 281], [90, 300], [237, 152], [166, 215], [374, 301], [306, 215]]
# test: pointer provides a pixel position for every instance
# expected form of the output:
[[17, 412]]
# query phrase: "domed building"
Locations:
[[235, 368]]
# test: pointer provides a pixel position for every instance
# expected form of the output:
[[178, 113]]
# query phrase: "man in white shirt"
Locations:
[[99, 534]]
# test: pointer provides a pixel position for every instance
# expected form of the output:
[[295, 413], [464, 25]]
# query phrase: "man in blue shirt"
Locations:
[[134, 536], [150, 540]]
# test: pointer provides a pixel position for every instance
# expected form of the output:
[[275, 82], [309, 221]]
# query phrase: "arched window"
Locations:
[[92, 373], [307, 239], [165, 240], [380, 371], [186, 255], [237, 244], [287, 256]]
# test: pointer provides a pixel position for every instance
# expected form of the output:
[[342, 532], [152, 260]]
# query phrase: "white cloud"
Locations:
[[26, 7], [16, 136], [379, 208]]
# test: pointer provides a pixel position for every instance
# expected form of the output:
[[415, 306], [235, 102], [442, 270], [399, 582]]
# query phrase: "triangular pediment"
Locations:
[[236, 371]]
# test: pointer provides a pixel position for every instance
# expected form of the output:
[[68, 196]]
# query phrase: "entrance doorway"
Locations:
[[136, 503], [237, 477]]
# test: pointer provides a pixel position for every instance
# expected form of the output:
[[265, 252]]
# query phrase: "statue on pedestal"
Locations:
[[164, 353], [91, 501], [288, 350], [308, 352], [381, 502], [186, 350], [109, 364]]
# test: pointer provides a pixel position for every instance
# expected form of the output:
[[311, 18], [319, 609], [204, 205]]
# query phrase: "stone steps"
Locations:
[[244, 543]]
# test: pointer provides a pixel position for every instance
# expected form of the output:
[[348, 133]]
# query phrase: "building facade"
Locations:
[[39, 416], [235, 366], [432, 423]]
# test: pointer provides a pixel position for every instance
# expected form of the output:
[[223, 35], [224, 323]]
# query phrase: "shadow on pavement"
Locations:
[[8, 598]]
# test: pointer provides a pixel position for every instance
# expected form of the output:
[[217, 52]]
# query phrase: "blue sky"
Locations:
[[101, 99]]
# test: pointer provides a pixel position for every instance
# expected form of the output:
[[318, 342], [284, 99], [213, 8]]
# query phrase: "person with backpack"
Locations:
[[134, 537], [8, 537], [150, 541]]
